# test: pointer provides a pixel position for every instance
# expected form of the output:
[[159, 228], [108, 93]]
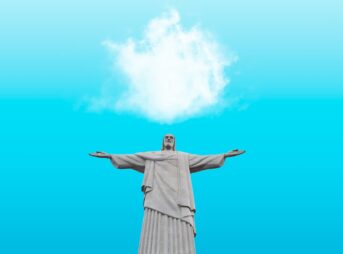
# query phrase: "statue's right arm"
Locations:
[[100, 155], [123, 161]]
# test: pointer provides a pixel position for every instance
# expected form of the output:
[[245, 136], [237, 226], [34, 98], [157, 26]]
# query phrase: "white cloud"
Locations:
[[172, 73]]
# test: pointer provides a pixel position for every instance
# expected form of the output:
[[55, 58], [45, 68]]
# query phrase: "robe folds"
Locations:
[[167, 185], [168, 193], [162, 234]]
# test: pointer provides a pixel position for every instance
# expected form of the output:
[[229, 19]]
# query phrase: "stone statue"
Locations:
[[168, 224]]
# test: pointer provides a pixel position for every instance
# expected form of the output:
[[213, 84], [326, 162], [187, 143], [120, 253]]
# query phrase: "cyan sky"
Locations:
[[283, 196]]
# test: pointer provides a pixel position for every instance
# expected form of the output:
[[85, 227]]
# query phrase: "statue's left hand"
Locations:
[[234, 152]]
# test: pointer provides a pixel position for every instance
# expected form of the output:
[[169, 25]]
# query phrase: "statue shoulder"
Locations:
[[148, 153], [182, 154]]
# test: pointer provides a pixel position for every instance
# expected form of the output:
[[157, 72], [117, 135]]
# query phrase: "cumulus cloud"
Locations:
[[172, 73]]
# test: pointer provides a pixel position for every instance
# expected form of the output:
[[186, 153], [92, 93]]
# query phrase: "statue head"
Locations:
[[168, 142]]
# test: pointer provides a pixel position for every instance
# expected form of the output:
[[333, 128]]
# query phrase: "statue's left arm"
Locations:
[[202, 162]]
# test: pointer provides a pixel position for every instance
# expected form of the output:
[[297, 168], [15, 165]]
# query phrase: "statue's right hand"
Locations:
[[100, 155]]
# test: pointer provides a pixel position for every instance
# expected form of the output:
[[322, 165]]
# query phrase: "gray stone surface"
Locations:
[[168, 193]]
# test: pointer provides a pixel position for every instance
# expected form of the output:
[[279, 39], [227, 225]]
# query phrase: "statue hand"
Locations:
[[100, 155], [234, 152]]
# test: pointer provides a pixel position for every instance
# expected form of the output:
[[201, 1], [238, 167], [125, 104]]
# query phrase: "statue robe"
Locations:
[[167, 189]]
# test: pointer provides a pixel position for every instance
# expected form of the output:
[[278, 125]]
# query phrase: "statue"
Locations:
[[168, 224]]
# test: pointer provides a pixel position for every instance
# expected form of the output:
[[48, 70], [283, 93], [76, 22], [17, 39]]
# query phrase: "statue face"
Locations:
[[169, 142]]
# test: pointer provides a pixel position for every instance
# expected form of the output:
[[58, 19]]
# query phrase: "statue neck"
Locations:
[[168, 149]]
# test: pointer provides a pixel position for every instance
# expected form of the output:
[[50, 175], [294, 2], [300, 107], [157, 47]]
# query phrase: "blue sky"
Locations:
[[283, 196]]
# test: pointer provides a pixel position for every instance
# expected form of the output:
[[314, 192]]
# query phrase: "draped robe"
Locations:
[[167, 186]]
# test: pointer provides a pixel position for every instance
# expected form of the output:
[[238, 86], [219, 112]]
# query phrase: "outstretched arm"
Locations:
[[202, 162], [233, 153], [121, 161], [100, 155]]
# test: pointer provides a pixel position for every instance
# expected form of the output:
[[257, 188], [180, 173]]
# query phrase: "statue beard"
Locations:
[[168, 147]]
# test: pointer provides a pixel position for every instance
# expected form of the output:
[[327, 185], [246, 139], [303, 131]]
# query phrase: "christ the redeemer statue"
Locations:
[[168, 224]]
